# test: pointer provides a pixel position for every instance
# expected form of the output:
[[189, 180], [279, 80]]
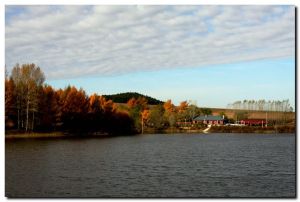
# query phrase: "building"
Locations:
[[253, 122], [209, 119]]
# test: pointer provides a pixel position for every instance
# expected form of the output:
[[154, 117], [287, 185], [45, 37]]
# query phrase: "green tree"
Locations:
[[206, 111], [192, 112], [156, 117]]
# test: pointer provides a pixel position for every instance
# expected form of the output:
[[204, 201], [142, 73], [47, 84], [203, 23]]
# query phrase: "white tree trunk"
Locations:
[[27, 113], [18, 119], [32, 121]]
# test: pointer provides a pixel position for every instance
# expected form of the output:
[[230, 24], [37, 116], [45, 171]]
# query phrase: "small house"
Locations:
[[209, 119]]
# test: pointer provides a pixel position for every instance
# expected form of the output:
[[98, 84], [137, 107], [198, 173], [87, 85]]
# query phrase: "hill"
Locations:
[[124, 97]]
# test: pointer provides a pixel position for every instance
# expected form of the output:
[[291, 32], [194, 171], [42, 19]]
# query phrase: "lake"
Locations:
[[160, 165]]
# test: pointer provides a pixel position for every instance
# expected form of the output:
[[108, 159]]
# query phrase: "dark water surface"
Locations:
[[212, 165]]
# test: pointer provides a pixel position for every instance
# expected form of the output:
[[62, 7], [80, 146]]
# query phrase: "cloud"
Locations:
[[75, 41]]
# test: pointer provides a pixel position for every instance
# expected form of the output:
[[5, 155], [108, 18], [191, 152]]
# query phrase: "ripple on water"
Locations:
[[213, 165]]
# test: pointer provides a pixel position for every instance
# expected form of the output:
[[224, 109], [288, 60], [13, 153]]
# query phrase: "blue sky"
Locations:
[[213, 55], [211, 86]]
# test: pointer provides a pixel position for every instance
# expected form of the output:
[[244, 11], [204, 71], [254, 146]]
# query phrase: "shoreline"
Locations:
[[35, 135], [167, 132], [52, 135]]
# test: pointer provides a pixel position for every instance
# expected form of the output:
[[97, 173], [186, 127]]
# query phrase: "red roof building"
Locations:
[[253, 122]]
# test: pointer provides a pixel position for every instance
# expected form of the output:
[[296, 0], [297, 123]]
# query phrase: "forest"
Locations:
[[33, 106], [125, 97]]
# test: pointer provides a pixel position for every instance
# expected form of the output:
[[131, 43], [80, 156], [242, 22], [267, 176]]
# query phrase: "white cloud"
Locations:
[[74, 41]]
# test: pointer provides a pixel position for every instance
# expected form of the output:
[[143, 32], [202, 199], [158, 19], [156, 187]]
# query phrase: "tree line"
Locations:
[[262, 105], [32, 105], [277, 112]]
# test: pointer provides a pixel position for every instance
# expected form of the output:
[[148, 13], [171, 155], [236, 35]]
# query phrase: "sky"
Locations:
[[212, 55]]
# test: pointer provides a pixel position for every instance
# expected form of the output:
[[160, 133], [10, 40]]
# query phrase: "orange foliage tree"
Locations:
[[170, 112], [145, 115], [131, 103], [169, 106], [48, 108], [183, 106]]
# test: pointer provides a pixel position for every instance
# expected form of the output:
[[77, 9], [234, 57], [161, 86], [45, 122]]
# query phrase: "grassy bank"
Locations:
[[34, 135], [57, 134], [213, 129], [227, 129], [171, 131], [252, 129]]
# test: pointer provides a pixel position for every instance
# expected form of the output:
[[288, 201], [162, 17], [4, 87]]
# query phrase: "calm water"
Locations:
[[214, 165]]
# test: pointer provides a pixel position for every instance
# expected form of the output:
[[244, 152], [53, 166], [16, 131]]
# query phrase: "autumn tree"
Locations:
[[170, 112], [182, 111], [136, 107], [145, 117], [109, 109], [141, 103], [121, 124], [169, 106], [75, 101], [19, 94], [9, 102], [94, 104], [74, 107], [183, 106], [28, 80], [49, 108], [100, 113], [108, 105], [131, 103]]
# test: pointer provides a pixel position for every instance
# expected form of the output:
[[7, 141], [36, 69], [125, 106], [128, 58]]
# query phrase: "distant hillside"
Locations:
[[124, 97]]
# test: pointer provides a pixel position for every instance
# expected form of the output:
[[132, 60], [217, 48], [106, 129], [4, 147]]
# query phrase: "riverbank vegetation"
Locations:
[[32, 106], [253, 129]]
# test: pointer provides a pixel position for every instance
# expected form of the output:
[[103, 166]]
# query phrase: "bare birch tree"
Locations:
[[28, 79]]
